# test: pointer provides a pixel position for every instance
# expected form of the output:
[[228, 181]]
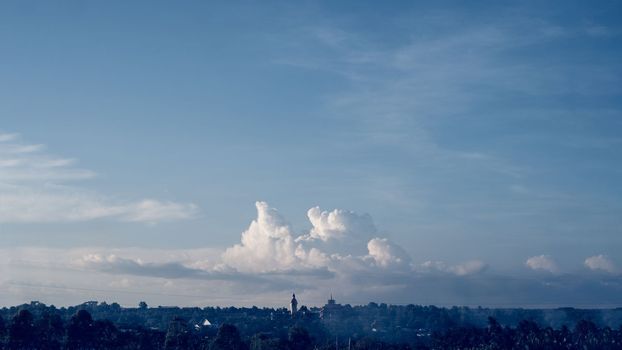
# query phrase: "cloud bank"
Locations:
[[271, 260], [270, 256]]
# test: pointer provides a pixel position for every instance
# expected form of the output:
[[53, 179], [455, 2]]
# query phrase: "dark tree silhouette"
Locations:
[[22, 332], [227, 338], [97, 326], [105, 334], [299, 339], [2, 330], [50, 331], [177, 335], [81, 331], [261, 341]]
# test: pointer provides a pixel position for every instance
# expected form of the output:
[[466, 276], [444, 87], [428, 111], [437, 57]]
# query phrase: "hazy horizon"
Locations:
[[200, 153]]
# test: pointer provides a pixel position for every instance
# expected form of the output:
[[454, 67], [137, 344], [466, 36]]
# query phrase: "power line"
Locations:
[[123, 291]]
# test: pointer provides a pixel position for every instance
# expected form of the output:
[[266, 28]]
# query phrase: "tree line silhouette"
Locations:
[[37, 326]]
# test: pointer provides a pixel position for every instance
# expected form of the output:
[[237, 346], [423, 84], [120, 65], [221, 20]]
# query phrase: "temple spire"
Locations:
[[294, 305]]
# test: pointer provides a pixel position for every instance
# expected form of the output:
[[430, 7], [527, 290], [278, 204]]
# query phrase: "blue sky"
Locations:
[[480, 138]]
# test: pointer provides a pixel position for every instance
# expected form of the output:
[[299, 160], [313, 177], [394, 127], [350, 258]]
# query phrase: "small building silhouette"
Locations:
[[330, 310]]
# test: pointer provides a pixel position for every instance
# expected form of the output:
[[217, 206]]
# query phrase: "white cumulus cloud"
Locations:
[[385, 254], [267, 244], [542, 262], [462, 269], [600, 262], [338, 224], [468, 268]]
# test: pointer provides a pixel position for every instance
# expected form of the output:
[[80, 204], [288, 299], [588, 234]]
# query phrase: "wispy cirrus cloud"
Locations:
[[462, 113], [34, 188], [406, 93]]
